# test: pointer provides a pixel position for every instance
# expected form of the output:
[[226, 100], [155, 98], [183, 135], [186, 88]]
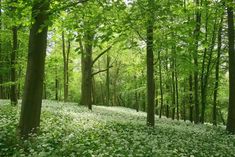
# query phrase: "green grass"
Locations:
[[71, 130]]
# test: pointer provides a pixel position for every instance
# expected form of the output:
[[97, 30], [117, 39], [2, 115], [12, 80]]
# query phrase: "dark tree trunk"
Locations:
[[150, 70], [177, 93], [195, 58], [173, 84], [87, 72], [161, 85], [191, 98], [56, 85], [32, 98], [1, 58], [13, 93], [231, 107], [203, 90], [184, 104], [108, 80], [217, 66]]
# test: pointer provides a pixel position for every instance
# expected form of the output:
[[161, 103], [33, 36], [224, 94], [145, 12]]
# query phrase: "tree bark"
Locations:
[[195, 58], [65, 60], [13, 93], [32, 98], [150, 70], [1, 59], [191, 98], [217, 66], [108, 80], [56, 85], [87, 71], [231, 107], [161, 85], [207, 74]]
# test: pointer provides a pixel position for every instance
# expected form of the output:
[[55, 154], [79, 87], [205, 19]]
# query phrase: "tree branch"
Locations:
[[102, 53], [100, 71]]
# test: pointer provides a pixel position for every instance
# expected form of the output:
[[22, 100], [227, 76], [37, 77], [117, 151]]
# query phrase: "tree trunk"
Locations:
[[65, 60], [191, 98], [195, 58], [177, 93], [207, 74], [217, 72], [108, 80], [173, 83], [32, 98], [203, 90], [13, 93], [56, 85], [161, 85], [83, 72], [231, 107], [87, 71], [150, 70], [1, 58], [136, 95]]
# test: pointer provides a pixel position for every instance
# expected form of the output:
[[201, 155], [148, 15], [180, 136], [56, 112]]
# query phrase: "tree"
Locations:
[[150, 66], [66, 65], [231, 38], [32, 98], [195, 59], [13, 92]]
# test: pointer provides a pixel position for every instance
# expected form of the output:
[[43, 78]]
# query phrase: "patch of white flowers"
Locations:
[[71, 130]]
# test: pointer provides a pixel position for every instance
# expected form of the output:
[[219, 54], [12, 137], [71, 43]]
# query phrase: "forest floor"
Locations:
[[71, 130]]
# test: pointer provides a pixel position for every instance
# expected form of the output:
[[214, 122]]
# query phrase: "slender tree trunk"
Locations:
[[231, 107], [161, 85], [217, 72], [83, 72], [177, 93], [191, 98], [13, 93], [195, 58], [150, 70], [108, 80], [56, 85], [65, 60], [32, 98], [136, 95], [67, 73], [203, 90], [19, 84], [184, 104], [173, 84]]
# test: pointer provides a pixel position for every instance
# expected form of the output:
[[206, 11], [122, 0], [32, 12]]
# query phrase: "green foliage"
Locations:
[[71, 130]]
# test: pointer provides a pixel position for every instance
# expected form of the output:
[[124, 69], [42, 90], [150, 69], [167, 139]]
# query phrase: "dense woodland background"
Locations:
[[171, 58]]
